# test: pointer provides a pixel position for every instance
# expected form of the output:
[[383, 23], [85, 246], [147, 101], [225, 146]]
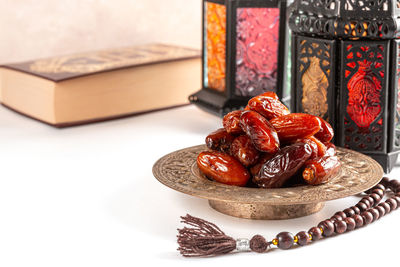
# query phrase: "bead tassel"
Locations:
[[206, 239]]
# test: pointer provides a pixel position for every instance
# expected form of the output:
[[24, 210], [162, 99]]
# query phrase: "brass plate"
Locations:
[[178, 170]]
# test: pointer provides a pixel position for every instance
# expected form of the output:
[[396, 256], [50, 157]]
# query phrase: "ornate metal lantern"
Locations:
[[346, 69], [244, 53]]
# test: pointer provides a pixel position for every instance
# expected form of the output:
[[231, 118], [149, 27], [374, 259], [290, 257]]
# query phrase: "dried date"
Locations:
[[222, 168], [268, 105], [321, 170], [264, 157], [220, 140], [326, 133], [320, 145], [243, 150], [276, 171], [330, 149], [296, 126], [231, 122], [260, 131]]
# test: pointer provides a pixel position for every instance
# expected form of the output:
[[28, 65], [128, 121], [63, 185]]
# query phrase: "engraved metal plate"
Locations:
[[178, 170]]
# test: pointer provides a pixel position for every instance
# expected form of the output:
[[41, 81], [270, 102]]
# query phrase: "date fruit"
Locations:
[[330, 149], [321, 170], [220, 140], [243, 150], [231, 122], [260, 131], [313, 146], [326, 133], [276, 171], [222, 168], [264, 157], [320, 145], [296, 126], [268, 105]]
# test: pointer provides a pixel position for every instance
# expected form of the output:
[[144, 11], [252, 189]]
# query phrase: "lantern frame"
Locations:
[[220, 103]]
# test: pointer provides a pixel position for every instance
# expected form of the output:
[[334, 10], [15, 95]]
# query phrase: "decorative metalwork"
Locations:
[[364, 89], [315, 72], [257, 43], [178, 170], [215, 45], [346, 18]]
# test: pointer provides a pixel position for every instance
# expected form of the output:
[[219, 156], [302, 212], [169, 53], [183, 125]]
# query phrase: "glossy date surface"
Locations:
[[222, 168], [268, 105], [320, 171], [296, 126], [276, 171], [220, 140], [243, 150], [326, 133], [260, 131], [231, 122]]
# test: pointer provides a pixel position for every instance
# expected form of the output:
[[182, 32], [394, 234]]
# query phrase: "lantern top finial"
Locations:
[[370, 19]]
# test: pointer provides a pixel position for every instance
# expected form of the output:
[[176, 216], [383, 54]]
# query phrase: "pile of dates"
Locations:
[[266, 146]]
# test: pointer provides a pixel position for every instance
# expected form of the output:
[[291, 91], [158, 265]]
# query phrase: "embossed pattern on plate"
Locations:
[[178, 170]]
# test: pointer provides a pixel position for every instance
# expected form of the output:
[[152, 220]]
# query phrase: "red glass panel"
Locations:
[[364, 96], [257, 42]]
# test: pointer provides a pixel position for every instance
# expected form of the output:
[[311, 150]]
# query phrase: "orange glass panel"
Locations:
[[215, 46]]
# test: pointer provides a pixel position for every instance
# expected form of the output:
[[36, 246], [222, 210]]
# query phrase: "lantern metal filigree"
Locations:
[[346, 70]]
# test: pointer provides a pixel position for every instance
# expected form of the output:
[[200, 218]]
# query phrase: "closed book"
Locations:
[[96, 86]]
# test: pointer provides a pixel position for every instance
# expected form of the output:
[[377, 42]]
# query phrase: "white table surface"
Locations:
[[86, 196]]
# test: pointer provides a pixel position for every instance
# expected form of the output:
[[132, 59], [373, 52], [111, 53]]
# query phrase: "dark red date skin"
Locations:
[[260, 131], [296, 126], [313, 146], [326, 133], [264, 157], [231, 122], [222, 168], [276, 171], [268, 105], [243, 150], [320, 171], [220, 140]]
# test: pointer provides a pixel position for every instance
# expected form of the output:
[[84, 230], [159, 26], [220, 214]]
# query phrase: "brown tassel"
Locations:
[[203, 239]]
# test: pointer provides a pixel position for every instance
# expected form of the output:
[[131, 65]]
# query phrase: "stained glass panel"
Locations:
[[215, 40], [257, 41]]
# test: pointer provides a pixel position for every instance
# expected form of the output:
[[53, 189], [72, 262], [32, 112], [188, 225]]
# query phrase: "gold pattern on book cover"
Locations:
[[110, 59]]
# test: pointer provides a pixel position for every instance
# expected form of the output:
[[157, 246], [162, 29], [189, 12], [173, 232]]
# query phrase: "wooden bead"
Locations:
[[379, 186], [341, 214], [327, 228], [303, 238], [315, 233], [340, 227], [397, 198], [351, 223], [381, 211], [349, 212], [377, 198], [356, 210], [392, 203], [367, 216], [359, 220], [380, 192], [386, 206], [394, 185], [366, 202], [385, 181], [362, 206], [335, 218], [375, 214], [285, 240]]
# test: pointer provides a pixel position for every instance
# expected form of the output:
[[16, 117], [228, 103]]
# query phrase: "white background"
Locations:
[[86, 196]]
